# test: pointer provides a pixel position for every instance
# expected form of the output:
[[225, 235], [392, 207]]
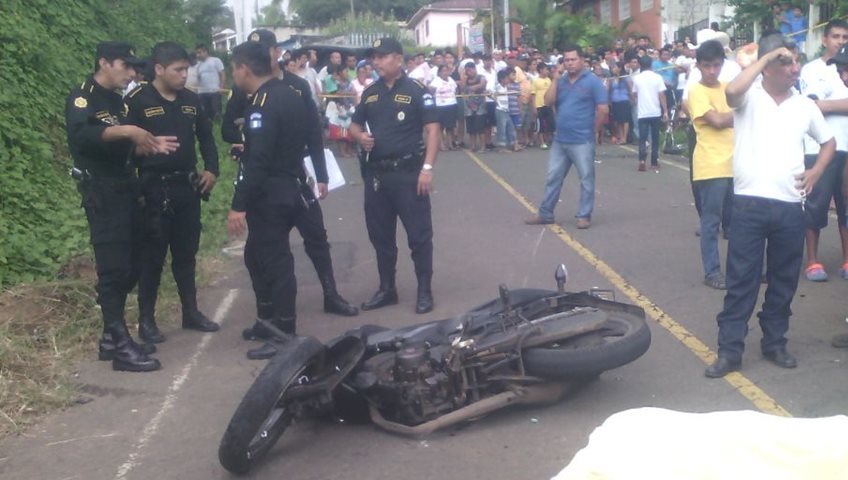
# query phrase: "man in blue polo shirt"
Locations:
[[581, 106]]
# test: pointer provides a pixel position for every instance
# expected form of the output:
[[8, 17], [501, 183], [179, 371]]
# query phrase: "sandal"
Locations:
[[815, 273]]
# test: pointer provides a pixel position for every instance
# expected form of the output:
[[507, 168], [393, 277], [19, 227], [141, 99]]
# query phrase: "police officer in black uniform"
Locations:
[[397, 170], [101, 148], [269, 197], [311, 223], [171, 185]]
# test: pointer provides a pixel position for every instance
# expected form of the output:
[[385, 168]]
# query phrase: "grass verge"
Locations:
[[47, 328]]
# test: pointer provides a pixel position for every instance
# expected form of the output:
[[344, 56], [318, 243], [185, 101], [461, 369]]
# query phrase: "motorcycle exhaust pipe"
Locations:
[[536, 394]]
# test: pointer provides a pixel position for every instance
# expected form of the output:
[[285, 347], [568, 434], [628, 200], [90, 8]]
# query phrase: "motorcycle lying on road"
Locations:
[[524, 347]]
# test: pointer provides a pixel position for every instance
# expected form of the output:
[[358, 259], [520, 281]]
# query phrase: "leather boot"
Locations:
[[265, 311], [148, 331], [424, 304], [106, 347], [335, 303], [281, 332], [128, 356], [195, 320], [386, 295]]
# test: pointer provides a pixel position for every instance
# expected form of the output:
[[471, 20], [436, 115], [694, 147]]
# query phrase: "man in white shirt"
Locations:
[[821, 81], [770, 120], [649, 92], [210, 77]]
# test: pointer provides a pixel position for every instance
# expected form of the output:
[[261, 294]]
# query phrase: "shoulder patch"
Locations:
[[428, 100], [371, 99], [255, 121], [80, 102]]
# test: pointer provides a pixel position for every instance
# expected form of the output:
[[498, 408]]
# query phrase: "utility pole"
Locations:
[[492, 23], [352, 12], [507, 34]]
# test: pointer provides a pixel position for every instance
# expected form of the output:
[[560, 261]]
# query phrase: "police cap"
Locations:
[[384, 46], [263, 37], [115, 50]]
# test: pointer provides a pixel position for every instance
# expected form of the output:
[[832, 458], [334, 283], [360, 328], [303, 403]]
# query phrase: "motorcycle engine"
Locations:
[[412, 384]]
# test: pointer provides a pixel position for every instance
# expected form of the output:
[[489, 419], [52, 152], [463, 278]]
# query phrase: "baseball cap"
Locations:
[[113, 50], [384, 46], [263, 37]]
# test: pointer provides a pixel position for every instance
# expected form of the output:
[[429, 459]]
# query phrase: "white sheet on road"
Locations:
[[659, 444]]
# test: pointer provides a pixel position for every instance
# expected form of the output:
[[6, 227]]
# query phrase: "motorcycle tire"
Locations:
[[260, 419], [622, 339]]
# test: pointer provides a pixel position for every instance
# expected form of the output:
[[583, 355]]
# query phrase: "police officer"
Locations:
[[397, 170], [171, 185], [311, 223], [101, 148], [269, 197]]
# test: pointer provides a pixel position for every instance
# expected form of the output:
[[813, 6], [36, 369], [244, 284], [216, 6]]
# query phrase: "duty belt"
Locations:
[[407, 162]]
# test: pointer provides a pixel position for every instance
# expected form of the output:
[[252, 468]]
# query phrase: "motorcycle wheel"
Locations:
[[622, 339], [261, 417]]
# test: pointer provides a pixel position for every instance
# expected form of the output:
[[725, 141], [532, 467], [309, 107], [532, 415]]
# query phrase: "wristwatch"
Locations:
[[427, 168]]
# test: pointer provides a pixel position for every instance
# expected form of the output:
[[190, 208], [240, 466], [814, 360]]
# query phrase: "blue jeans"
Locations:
[[506, 129], [759, 221], [562, 156], [712, 193], [649, 126]]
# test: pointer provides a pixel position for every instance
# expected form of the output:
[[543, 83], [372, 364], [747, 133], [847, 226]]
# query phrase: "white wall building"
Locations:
[[445, 23]]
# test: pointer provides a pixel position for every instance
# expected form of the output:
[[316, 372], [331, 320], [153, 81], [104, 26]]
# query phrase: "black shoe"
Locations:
[[424, 303], [128, 355], [266, 351], [781, 358], [383, 297], [255, 332], [198, 321], [149, 332], [721, 367], [334, 303], [106, 349]]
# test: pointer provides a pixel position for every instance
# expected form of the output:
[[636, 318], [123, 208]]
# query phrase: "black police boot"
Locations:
[[335, 303], [264, 310], [386, 295], [127, 355], [106, 348], [282, 331], [194, 320], [424, 304], [148, 331]]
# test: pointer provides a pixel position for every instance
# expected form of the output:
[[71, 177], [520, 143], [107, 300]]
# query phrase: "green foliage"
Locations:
[[747, 12], [46, 48], [322, 12], [272, 15], [363, 23], [581, 29], [201, 17], [533, 14]]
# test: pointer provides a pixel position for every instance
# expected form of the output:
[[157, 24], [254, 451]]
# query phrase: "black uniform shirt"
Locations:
[[396, 116], [239, 101], [183, 117], [275, 134], [90, 109]]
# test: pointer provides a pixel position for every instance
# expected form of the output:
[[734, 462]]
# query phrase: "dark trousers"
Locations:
[[268, 257], [175, 226], [649, 126], [113, 210], [310, 225], [756, 222], [211, 103], [387, 197]]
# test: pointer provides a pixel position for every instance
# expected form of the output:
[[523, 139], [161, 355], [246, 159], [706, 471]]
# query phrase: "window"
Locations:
[[606, 12], [427, 28], [623, 10], [645, 5]]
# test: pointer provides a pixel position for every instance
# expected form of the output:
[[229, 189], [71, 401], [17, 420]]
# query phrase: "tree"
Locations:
[[533, 15], [272, 15], [581, 28], [322, 12], [203, 16]]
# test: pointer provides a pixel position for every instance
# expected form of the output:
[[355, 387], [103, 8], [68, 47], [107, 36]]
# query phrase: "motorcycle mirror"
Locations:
[[561, 276]]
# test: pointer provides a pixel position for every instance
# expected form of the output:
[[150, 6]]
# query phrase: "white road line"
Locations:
[[179, 380]]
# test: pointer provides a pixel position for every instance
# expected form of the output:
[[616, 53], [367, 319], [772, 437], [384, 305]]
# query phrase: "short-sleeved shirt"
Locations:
[[396, 116], [648, 85], [713, 157], [822, 80], [769, 143], [445, 91], [666, 71], [729, 71], [575, 107], [540, 86], [208, 75]]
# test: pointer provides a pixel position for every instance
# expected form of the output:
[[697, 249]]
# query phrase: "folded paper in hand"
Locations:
[[333, 172]]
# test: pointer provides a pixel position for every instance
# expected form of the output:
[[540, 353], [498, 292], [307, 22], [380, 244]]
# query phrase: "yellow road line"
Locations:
[[742, 384]]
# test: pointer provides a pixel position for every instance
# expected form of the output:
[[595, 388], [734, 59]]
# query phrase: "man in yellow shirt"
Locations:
[[712, 167], [544, 114]]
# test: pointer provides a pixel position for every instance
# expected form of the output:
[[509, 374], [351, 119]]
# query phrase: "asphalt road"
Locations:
[[168, 424]]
